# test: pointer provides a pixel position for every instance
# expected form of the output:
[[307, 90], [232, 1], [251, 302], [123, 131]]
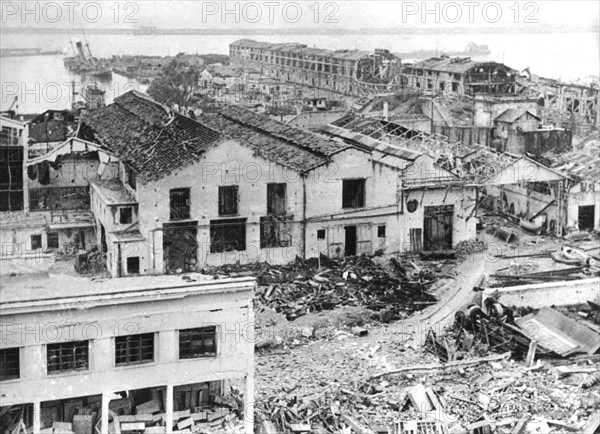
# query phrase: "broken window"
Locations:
[[67, 356], [179, 203], [9, 364], [541, 187], [53, 240], [36, 242], [353, 193], [59, 198], [321, 234], [228, 200], [275, 231], [133, 265], [125, 215], [276, 198], [381, 231], [227, 235], [198, 342], [134, 349], [180, 247]]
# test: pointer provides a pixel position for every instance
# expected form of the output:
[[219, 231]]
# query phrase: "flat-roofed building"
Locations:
[[145, 350], [351, 72]]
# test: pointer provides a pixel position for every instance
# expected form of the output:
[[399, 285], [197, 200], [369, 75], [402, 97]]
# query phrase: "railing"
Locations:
[[59, 198]]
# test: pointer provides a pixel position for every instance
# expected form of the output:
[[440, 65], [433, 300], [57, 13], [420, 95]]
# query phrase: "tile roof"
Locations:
[[289, 146], [147, 136]]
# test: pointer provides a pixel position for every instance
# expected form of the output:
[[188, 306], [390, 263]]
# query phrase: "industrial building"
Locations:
[[461, 76], [235, 186], [351, 72]]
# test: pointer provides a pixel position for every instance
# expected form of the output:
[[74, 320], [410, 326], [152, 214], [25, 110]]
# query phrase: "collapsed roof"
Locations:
[[155, 141]]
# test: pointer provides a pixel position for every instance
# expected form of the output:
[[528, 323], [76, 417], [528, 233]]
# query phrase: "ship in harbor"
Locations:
[[86, 64], [471, 50], [27, 52]]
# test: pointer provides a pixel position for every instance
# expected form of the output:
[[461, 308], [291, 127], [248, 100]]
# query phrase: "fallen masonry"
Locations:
[[318, 285], [498, 369]]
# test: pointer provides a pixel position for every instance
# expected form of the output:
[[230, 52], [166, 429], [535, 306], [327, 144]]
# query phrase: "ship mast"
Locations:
[[71, 44], [87, 45]]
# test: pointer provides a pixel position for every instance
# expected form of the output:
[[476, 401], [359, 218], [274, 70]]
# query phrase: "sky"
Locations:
[[297, 14]]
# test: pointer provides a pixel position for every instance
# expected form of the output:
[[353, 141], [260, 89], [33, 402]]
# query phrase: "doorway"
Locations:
[[586, 217], [350, 241], [437, 227], [103, 244]]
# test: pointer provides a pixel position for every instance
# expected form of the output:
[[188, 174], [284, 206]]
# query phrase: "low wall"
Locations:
[[547, 294]]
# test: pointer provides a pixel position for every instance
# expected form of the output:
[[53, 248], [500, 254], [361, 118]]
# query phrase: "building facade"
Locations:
[[460, 76], [156, 352], [235, 186], [350, 72]]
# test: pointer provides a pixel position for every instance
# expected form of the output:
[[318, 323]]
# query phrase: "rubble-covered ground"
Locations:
[[315, 372]]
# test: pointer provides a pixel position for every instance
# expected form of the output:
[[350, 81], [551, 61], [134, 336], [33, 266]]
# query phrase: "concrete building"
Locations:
[[460, 76], [146, 353], [351, 72]]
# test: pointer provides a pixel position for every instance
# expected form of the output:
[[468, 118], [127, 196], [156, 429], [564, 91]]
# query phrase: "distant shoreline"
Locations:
[[310, 31]]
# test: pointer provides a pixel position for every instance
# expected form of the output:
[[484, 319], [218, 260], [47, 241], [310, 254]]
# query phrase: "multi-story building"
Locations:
[[235, 186], [146, 354], [45, 175], [347, 71], [461, 76]]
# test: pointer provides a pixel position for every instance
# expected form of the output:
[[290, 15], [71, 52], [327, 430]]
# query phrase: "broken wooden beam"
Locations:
[[432, 367]]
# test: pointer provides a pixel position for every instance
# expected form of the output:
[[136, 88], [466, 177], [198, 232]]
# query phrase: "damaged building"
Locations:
[[13, 140], [46, 207], [460, 76], [519, 131], [235, 186], [350, 72], [436, 209], [583, 193], [149, 354]]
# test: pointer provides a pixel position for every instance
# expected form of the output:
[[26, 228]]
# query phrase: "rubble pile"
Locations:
[[493, 394], [468, 247], [300, 288]]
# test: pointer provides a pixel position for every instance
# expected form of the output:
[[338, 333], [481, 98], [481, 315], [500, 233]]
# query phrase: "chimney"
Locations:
[[80, 50]]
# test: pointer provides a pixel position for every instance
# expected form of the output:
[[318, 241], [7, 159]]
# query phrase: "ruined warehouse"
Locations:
[[345, 71], [461, 76], [237, 186]]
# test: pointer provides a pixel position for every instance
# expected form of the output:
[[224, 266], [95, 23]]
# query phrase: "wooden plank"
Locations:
[[133, 426], [185, 423]]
